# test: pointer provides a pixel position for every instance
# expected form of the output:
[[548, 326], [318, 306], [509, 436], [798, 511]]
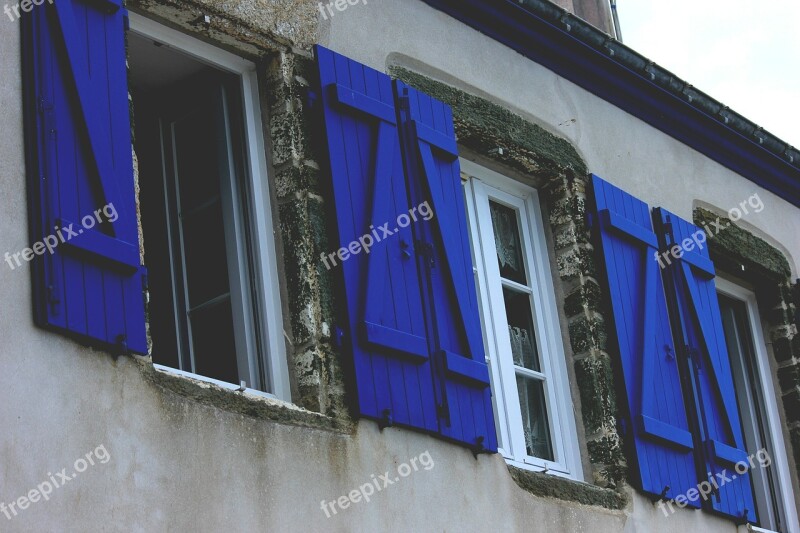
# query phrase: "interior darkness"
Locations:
[[180, 140]]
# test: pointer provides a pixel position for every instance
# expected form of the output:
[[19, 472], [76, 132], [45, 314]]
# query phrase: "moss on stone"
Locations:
[[734, 247], [595, 380], [576, 262], [300, 264], [587, 333], [482, 125], [586, 297], [548, 486]]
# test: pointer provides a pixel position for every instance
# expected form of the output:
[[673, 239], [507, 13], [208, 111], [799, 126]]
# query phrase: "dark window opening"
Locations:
[[191, 156]]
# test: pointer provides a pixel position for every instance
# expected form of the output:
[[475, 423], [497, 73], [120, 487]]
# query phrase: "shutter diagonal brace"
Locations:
[[96, 133], [652, 427], [714, 364], [443, 227], [402, 342]]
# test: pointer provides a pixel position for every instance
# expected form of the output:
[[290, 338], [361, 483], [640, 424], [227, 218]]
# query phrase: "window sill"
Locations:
[[251, 403], [551, 486]]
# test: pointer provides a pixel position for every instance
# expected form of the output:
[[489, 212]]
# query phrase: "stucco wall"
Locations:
[[182, 459]]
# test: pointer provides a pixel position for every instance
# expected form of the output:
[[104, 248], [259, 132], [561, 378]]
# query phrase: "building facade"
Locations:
[[386, 265]]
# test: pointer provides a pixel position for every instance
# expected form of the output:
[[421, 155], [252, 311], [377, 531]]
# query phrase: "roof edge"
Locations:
[[560, 41]]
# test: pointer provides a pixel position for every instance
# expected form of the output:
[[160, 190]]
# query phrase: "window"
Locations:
[[214, 308], [532, 404], [757, 407]]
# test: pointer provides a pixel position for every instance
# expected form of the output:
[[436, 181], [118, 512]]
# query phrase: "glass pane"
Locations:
[[197, 159], [213, 342], [205, 254], [507, 241], [535, 424], [752, 410], [520, 329]]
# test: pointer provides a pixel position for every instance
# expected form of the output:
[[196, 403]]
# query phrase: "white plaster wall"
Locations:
[[616, 146], [176, 465]]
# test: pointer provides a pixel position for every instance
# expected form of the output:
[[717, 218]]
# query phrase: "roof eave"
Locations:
[[583, 54]]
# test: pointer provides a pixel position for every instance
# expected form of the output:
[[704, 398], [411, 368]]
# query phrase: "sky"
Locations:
[[746, 54]]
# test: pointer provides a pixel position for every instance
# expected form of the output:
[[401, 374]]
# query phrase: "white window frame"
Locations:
[[779, 460], [264, 253], [481, 186]]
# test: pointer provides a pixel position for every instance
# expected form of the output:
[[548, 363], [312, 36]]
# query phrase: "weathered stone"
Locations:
[[547, 486], [737, 246], [587, 332], [607, 451], [571, 209], [782, 349], [587, 297], [255, 407], [567, 235], [301, 264], [596, 385], [296, 179], [246, 25], [789, 377], [794, 435], [791, 404], [482, 126], [575, 262], [285, 131]]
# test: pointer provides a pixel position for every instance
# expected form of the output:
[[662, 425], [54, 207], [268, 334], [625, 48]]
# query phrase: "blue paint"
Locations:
[[78, 149]]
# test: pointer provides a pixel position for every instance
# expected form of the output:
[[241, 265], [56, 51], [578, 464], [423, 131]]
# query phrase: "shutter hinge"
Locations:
[[426, 250], [670, 353], [662, 497], [403, 102], [743, 518], [443, 412], [478, 447], [668, 232], [122, 343], [52, 295], [386, 420], [694, 357], [338, 337], [145, 278], [312, 99], [47, 110]]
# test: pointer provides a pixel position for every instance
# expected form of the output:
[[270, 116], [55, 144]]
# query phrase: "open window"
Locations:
[[214, 305]]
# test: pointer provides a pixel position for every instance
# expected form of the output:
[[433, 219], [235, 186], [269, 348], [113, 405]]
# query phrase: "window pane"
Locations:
[[197, 159], [520, 329], [507, 242], [752, 410], [213, 342], [535, 424], [205, 254]]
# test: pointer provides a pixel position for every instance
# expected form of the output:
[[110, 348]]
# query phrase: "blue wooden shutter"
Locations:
[[385, 321], [659, 428], [699, 318], [79, 160], [462, 373]]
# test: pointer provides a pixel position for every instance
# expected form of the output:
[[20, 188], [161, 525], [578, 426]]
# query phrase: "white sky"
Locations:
[[746, 54]]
